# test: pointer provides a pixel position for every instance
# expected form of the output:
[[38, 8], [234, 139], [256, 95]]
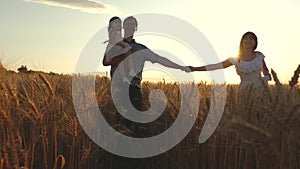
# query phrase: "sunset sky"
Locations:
[[49, 35]]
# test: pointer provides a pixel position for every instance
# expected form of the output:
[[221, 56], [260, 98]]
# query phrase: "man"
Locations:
[[140, 54]]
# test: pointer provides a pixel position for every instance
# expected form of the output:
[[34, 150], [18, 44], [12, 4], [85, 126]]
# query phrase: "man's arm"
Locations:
[[155, 58], [166, 62]]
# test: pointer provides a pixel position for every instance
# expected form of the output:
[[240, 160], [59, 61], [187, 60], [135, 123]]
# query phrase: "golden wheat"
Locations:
[[294, 79], [39, 127]]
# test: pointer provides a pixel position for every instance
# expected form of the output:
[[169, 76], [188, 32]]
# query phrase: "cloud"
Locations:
[[90, 6]]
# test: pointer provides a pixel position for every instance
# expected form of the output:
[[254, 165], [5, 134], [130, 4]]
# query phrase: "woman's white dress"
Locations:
[[249, 71]]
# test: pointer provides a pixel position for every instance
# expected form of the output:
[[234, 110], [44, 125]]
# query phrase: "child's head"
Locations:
[[115, 23]]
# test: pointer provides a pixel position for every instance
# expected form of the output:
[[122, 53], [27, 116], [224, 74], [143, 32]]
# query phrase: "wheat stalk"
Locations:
[[1, 163], [86, 151], [26, 163], [2, 69], [49, 87], [45, 145], [13, 92], [295, 78], [6, 160], [37, 114], [63, 162], [277, 81]]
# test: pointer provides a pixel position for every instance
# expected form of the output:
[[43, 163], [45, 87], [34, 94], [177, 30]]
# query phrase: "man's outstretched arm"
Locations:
[[166, 62], [155, 58]]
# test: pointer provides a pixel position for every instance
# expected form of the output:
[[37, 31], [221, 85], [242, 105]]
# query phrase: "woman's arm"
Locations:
[[265, 70], [216, 66]]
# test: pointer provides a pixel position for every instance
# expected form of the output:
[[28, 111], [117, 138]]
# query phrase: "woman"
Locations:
[[249, 64]]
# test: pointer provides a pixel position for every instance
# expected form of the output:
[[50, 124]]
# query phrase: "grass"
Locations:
[[39, 127]]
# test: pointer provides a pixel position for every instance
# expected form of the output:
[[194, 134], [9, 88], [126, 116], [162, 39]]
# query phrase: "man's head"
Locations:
[[129, 26]]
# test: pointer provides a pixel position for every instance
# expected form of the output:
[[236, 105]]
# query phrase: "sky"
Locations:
[[50, 35]]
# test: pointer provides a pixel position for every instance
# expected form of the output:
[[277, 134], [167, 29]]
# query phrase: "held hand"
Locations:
[[185, 68]]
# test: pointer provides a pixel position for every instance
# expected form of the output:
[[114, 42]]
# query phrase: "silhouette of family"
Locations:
[[249, 63], [127, 58]]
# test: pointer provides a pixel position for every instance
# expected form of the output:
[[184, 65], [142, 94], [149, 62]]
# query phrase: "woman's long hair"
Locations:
[[251, 34]]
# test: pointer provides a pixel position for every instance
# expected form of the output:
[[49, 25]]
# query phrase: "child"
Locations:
[[115, 38]]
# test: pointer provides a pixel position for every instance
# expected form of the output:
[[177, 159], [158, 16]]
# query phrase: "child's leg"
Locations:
[[131, 67], [122, 72]]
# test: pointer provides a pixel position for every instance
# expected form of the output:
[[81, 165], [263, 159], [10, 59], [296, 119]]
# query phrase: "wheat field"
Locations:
[[39, 128]]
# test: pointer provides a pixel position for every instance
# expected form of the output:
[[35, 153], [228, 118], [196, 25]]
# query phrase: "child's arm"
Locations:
[[107, 61], [123, 44], [115, 51]]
